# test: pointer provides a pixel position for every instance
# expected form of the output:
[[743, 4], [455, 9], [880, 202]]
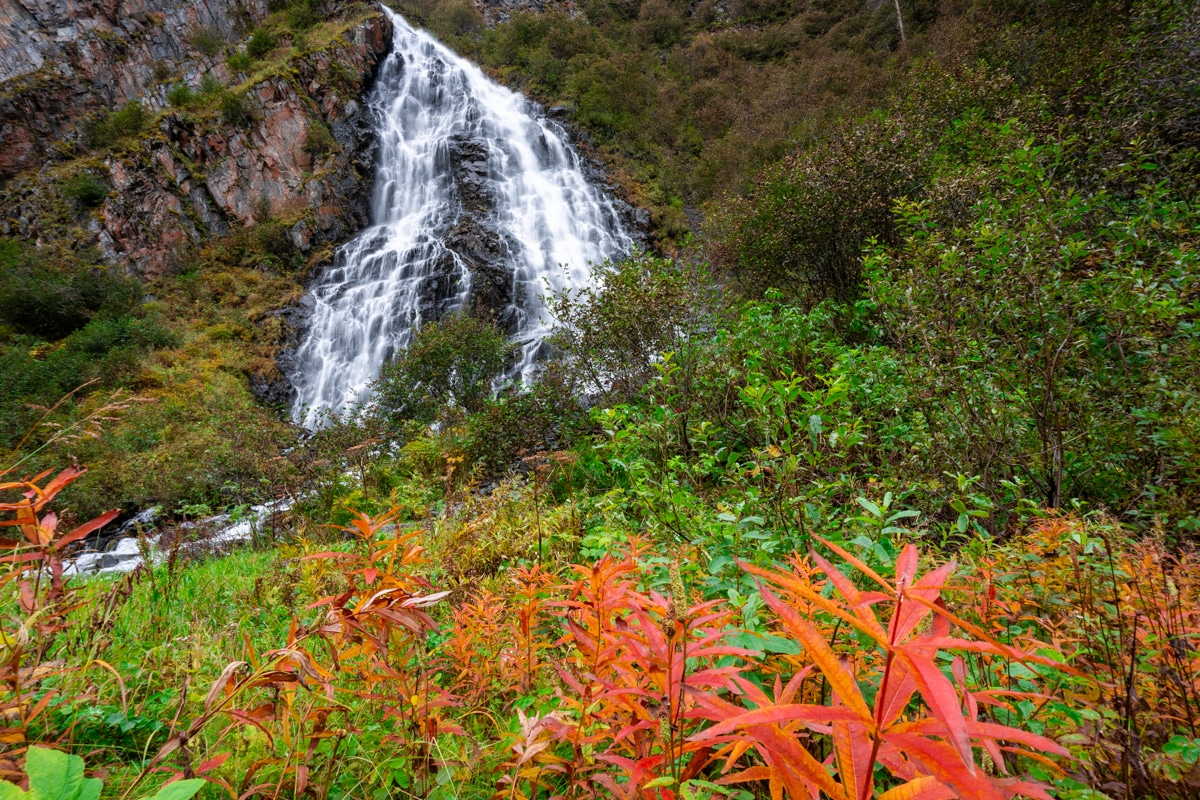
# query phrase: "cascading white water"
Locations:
[[464, 166]]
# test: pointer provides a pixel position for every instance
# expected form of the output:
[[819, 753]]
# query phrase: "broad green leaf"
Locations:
[[90, 790], [10, 791], [53, 775]]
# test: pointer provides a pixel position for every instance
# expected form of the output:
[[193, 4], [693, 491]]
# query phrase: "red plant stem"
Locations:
[[881, 696]]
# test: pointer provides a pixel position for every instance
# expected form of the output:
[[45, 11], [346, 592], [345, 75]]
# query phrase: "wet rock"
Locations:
[[480, 244], [214, 535]]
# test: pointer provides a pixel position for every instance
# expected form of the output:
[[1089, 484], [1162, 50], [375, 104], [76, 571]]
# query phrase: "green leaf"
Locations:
[[718, 565], [10, 791], [53, 775], [1187, 749], [869, 506], [90, 790], [665, 780], [180, 790]]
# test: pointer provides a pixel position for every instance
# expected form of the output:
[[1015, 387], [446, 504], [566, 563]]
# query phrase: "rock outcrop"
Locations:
[[192, 175], [60, 59], [496, 11]]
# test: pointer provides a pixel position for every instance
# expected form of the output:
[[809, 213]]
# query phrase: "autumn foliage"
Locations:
[[879, 696]]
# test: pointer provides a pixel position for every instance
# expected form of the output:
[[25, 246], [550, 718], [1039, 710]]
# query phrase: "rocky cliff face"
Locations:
[[192, 174], [496, 11], [60, 59]]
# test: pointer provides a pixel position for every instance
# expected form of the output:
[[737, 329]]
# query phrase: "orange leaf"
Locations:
[[759, 773], [926, 787], [940, 695], [774, 715], [940, 760], [789, 583], [86, 528], [858, 564], [853, 746], [794, 765], [822, 654]]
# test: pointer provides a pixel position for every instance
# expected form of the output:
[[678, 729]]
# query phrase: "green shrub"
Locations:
[[301, 14], [208, 41], [1048, 335], [240, 61], [446, 18], [262, 42], [273, 239], [544, 416], [318, 140], [162, 71], [180, 95], [237, 109], [209, 85], [610, 336], [448, 364], [51, 298], [33, 374], [804, 227], [85, 190], [129, 120]]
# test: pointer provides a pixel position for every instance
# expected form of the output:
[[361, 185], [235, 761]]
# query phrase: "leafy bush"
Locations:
[[451, 363], [1037, 329], [209, 85], [180, 95], [1160, 86], [611, 336], [273, 238], [208, 41], [240, 61], [302, 14], [261, 43], [542, 417], [129, 120], [48, 299], [804, 228], [318, 139], [446, 18], [237, 109], [85, 189]]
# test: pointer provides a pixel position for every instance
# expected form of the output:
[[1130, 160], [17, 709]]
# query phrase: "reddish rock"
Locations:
[[190, 180]]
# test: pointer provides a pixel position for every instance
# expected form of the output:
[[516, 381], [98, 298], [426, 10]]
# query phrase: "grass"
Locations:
[[180, 626]]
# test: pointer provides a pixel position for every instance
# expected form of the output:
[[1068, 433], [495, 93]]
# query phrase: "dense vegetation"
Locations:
[[894, 496]]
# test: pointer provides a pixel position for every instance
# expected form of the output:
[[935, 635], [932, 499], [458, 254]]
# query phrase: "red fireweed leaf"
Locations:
[[858, 564], [853, 746], [926, 787], [943, 762], [822, 654], [774, 715], [86, 528], [942, 698]]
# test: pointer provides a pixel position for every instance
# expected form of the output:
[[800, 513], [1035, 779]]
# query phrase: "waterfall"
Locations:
[[477, 198]]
